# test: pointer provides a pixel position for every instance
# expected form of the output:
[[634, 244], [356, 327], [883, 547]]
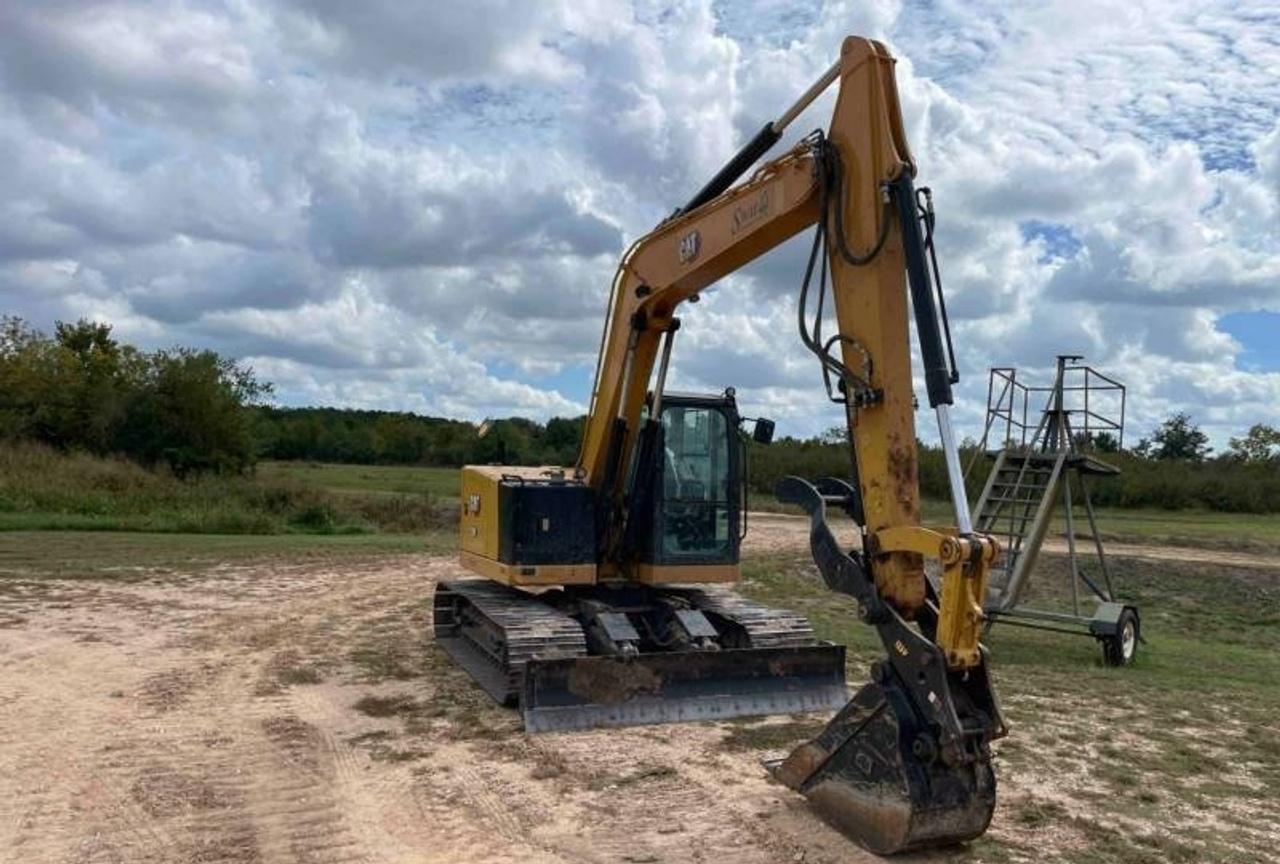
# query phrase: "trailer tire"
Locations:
[[1120, 648]]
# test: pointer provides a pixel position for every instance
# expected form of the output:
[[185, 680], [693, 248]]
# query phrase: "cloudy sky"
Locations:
[[420, 205]]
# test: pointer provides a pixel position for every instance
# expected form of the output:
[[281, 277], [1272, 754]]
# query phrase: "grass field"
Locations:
[[1168, 526], [45, 489], [78, 493], [402, 479], [1175, 759], [100, 554], [1258, 531]]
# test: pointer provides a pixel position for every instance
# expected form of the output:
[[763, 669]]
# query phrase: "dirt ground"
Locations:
[[771, 532], [219, 717], [297, 712]]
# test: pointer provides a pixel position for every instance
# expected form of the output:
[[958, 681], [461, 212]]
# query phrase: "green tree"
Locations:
[[21, 377], [561, 439], [1098, 442], [401, 439], [1260, 444], [95, 383], [1178, 438], [834, 435], [190, 413]]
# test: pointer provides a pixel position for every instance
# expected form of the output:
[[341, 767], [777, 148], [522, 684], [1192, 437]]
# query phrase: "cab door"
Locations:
[[698, 494]]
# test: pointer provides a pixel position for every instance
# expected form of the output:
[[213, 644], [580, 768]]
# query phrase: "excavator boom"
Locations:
[[654, 503]]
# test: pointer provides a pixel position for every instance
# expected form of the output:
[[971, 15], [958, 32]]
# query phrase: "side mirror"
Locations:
[[763, 433]]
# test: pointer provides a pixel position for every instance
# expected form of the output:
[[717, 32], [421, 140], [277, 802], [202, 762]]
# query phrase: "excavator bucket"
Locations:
[[907, 763], [614, 690], [872, 776]]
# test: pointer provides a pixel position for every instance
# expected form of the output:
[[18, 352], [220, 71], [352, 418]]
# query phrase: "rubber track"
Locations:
[[530, 627], [767, 627]]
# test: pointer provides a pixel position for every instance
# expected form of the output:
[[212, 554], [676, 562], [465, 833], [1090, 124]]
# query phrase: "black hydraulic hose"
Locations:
[[735, 167], [827, 165], [927, 214], [810, 341], [937, 372], [832, 180]]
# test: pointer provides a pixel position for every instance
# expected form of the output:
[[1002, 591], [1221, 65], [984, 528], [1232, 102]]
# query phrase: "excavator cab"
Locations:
[[692, 478]]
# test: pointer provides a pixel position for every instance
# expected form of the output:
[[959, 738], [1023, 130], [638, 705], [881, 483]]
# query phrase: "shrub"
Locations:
[[40, 486]]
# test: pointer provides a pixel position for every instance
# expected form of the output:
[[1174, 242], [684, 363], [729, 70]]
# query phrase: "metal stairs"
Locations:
[[1033, 472], [1016, 507]]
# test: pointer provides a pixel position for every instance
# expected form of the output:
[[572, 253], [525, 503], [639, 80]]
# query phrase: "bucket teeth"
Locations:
[[872, 775]]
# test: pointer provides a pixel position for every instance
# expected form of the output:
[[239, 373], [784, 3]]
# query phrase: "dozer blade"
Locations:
[[602, 691], [873, 777]]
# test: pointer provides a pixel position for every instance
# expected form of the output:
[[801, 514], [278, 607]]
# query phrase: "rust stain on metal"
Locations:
[[875, 816], [903, 471], [800, 765], [609, 681]]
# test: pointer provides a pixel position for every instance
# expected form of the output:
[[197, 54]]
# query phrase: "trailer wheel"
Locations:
[[1120, 648]]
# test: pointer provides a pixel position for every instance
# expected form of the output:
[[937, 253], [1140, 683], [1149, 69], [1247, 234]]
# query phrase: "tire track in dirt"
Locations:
[[150, 786], [215, 719]]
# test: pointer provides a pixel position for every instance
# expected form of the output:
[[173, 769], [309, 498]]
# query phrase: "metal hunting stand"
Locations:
[[1033, 470]]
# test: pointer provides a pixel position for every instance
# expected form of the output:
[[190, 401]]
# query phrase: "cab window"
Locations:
[[696, 482]]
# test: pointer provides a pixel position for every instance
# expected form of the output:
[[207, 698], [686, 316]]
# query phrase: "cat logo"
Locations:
[[690, 244]]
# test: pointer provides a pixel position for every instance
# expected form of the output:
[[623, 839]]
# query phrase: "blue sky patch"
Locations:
[[572, 382], [1059, 240], [1259, 333]]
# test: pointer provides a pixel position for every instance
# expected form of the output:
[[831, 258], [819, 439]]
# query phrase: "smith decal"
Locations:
[[689, 246], [749, 212]]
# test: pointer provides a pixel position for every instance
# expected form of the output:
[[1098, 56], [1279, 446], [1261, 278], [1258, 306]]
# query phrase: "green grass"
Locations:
[[1213, 633], [93, 555], [1259, 531], [1178, 527], [1249, 531], [43, 489], [1190, 729], [402, 479]]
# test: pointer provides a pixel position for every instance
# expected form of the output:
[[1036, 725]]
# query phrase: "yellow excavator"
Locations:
[[604, 599]]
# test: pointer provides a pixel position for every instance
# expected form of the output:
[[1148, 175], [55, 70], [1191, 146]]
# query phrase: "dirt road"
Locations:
[[282, 712], [774, 532], [296, 711]]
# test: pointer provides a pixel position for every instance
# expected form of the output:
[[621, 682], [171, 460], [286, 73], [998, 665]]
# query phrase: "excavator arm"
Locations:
[[855, 184], [906, 763]]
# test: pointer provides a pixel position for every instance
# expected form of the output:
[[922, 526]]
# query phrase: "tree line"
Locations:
[[194, 411], [398, 438], [81, 389], [1172, 468]]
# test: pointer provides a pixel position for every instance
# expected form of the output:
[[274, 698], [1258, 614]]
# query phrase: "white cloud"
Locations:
[[421, 205]]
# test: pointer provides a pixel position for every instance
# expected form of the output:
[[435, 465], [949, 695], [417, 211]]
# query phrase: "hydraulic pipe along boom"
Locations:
[[760, 144]]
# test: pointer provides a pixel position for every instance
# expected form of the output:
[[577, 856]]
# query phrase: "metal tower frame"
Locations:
[[1031, 474]]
